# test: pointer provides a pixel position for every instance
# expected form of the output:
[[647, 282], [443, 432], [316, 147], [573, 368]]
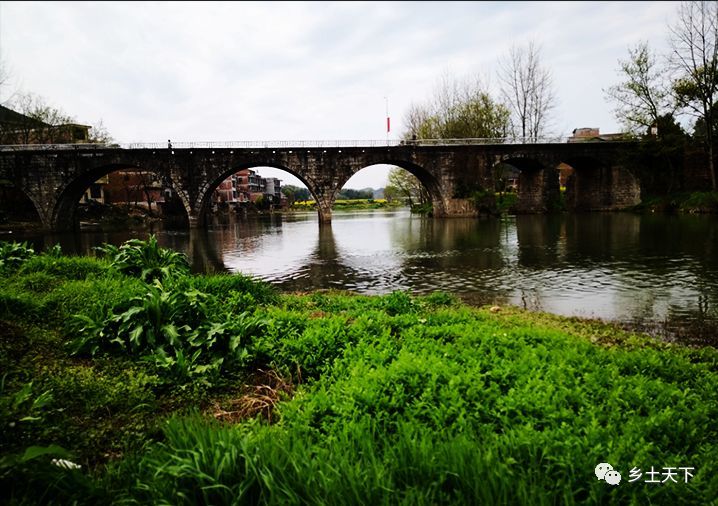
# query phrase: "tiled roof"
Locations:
[[10, 117]]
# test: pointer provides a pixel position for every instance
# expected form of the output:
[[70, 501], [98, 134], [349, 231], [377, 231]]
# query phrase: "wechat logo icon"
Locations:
[[606, 472]]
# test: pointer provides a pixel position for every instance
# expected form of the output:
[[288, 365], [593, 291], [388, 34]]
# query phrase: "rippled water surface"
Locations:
[[639, 269]]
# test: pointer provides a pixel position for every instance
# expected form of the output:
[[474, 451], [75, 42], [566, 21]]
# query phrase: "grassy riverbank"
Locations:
[[350, 204], [179, 389], [687, 202]]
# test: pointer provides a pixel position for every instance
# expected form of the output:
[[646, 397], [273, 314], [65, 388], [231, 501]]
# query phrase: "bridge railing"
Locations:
[[300, 144]]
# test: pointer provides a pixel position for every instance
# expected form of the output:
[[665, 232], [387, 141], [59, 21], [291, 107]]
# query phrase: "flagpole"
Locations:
[[388, 121]]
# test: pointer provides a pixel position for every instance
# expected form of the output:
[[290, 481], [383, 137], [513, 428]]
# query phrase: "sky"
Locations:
[[231, 71]]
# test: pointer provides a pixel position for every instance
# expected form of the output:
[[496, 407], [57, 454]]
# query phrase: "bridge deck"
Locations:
[[298, 144]]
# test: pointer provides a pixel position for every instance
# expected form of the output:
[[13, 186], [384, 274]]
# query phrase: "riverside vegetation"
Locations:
[[350, 204], [171, 388]]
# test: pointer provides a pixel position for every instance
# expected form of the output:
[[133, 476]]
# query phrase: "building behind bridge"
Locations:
[[17, 128], [593, 134], [144, 189], [246, 186]]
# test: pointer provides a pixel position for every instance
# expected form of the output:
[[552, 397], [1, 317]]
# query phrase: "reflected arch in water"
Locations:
[[538, 239], [446, 234], [203, 255], [599, 237], [325, 267], [271, 247]]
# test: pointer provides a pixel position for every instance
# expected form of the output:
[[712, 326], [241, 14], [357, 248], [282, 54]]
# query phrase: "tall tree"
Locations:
[[419, 122], [295, 193], [527, 88], [458, 109], [405, 185], [644, 94], [694, 55]]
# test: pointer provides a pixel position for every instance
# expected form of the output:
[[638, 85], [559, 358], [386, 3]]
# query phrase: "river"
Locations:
[[654, 272]]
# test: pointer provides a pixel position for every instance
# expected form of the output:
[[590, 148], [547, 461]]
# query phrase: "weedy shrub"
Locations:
[[239, 302], [213, 348], [701, 201], [232, 289], [95, 298], [90, 392], [23, 406], [313, 350], [398, 303], [38, 282], [47, 475], [46, 290], [54, 251], [150, 321], [438, 299], [18, 306], [173, 330], [301, 346], [13, 255], [21, 412], [65, 267], [145, 259]]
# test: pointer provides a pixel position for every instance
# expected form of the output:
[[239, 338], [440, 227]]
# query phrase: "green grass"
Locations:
[[351, 204], [685, 202], [506, 202], [450, 405], [705, 202], [396, 399]]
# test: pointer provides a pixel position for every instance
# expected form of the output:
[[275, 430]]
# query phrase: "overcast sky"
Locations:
[[204, 71]]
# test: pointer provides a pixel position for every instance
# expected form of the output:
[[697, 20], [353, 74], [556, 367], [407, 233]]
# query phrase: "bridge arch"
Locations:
[[428, 181], [55, 177], [596, 185], [65, 210], [538, 182], [204, 196], [20, 205]]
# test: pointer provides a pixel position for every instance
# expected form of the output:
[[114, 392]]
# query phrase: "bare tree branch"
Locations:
[[694, 56], [457, 109], [527, 88]]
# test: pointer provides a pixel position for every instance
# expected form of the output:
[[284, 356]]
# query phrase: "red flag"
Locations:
[[388, 125]]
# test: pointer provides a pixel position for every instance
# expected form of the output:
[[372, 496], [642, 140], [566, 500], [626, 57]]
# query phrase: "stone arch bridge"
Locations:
[[54, 177]]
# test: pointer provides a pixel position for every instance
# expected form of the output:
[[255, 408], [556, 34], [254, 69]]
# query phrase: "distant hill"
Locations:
[[351, 194]]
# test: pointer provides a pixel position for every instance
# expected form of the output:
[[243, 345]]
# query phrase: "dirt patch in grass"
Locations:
[[259, 398]]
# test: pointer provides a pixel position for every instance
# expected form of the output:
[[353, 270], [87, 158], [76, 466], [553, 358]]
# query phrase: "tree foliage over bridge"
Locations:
[[654, 88]]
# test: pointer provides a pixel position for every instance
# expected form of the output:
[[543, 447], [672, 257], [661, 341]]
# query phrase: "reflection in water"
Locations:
[[639, 269]]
